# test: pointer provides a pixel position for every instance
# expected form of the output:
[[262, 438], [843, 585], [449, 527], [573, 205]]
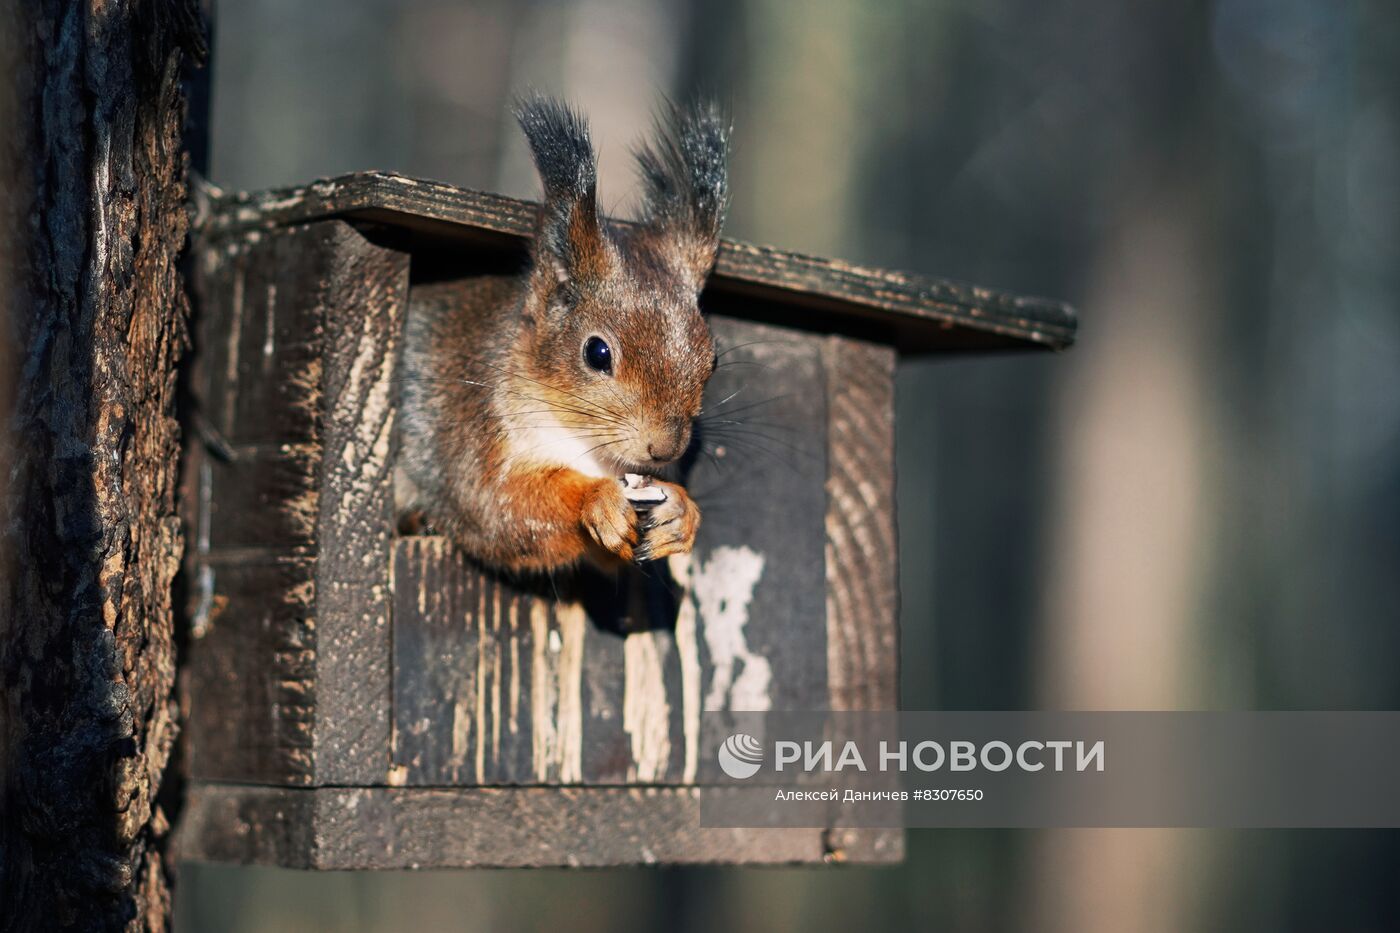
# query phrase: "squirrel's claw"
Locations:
[[670, 526]]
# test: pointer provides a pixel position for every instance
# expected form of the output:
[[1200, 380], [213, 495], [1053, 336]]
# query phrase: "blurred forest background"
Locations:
[[1196, 507]]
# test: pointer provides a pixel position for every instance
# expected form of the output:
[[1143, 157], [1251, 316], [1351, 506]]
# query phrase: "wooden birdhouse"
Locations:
[[364, 697]]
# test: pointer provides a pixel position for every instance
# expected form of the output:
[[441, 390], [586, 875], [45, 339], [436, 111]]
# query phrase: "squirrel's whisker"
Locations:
[[601, 414], [537, 447], [554, 405], [744, 446], [728, 363], [739, 346], [725, 399], [708, 422], [593, 448], [554, 388], [746, 407], [743, 433]]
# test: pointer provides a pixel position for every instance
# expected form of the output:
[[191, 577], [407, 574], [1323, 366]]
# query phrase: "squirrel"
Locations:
[[537, 409]]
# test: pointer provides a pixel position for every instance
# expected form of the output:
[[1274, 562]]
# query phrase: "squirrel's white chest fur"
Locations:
[[535, 437], [554, 445]]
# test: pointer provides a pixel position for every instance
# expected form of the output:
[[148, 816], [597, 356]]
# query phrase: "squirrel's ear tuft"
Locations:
[[685, 172], [570, 240]]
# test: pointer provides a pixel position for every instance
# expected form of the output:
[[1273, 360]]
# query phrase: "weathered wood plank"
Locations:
[[252, 669], [295, 517], [268, 497], [395, 828], [247, 824], [495, 685], [463, 669], [862, 556], [859, 846], [263, 362], [365, 298], [917, 312]]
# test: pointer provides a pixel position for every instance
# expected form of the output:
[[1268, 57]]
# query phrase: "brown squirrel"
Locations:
[[530, 403]]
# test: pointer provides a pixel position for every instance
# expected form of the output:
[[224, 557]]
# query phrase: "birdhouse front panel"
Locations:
[[602, 680]]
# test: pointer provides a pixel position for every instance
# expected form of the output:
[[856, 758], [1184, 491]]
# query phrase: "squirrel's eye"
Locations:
[[597, 354]]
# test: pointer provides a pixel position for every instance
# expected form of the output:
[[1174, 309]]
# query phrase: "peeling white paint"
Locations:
[[461, 730], [514, 690], [646, 716], [556, 698], [269, 337], [573, 623], [542, 733], [480, 690], [235, 339], [723, 587], [688, 650], [496, 676]]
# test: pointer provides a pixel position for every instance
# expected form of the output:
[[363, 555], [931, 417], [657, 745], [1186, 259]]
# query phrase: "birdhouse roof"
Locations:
[[915, 313]]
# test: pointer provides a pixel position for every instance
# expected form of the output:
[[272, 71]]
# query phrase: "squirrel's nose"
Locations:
[[669, 444], [664, 452]]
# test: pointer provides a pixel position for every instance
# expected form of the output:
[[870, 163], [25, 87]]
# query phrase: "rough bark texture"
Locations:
[[94, 222]]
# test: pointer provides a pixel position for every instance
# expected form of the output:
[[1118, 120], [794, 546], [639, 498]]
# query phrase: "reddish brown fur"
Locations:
[[516, 446]]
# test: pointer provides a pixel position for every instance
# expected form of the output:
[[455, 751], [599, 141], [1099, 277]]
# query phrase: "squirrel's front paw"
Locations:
[[669, 527], [610, 519]]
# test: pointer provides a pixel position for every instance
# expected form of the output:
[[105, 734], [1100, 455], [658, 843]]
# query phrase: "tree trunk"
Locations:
[[92, 223]]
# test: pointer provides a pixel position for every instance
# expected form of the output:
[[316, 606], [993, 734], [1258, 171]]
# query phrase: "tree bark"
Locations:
[[92, 223]]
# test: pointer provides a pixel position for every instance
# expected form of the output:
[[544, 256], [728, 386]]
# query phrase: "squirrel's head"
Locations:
[[613, 330]]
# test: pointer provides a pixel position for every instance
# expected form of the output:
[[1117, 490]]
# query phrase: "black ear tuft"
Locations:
[[571, 235], [559, 141], [685, 172]]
